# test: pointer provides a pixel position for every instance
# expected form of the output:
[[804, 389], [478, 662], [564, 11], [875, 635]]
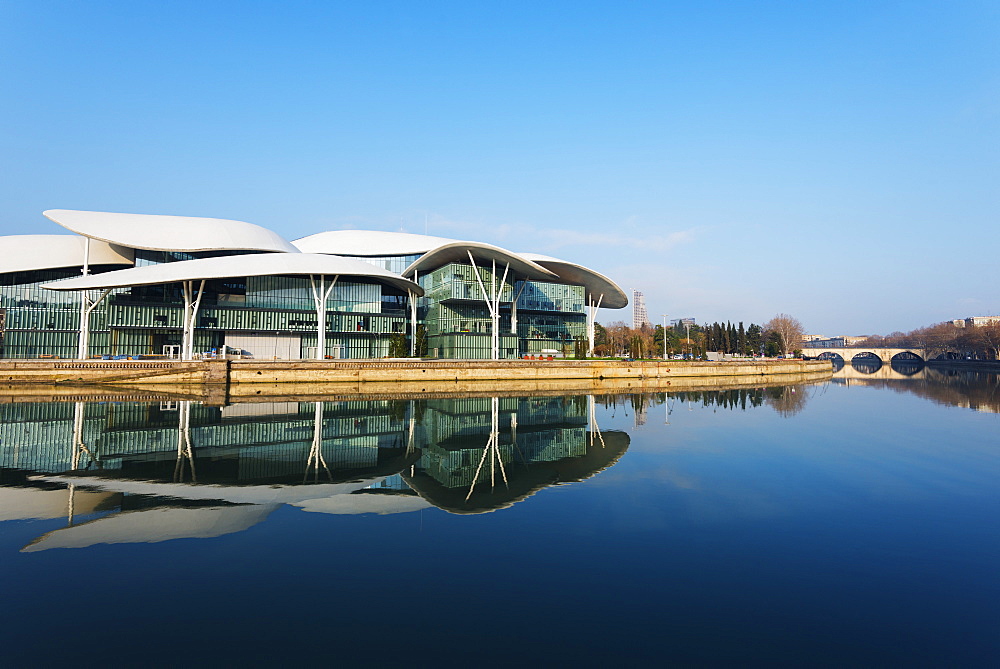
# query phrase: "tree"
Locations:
[[421, 343], [618, 336], [397, 346], [989, 335], [789, 329], [754, 338]]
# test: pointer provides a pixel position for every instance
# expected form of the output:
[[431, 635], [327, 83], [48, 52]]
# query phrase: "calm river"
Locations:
[[851, 522]]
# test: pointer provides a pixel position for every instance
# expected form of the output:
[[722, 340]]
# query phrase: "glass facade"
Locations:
[[550, 316], [143, 320], [361, 318]]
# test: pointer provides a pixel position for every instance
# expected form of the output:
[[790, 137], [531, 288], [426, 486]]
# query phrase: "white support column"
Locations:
[[185, 450], [592, 427], [413, 324], [320, 295], [591, 319], [411, 432], [316, 459], [494, 314], [492, 299], [413, 317], [192, 302], [492, 450], [83, 341], [513, 304], [482, 287]]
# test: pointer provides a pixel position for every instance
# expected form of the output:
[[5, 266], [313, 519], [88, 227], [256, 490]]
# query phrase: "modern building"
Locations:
[[204, 471], [980, 321], [187, 287], [640, 318]]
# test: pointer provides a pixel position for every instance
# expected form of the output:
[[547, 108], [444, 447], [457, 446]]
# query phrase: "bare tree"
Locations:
[[789, 329]]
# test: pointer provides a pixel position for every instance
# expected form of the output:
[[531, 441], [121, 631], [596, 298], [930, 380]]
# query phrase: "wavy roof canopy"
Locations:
[[459, 252], [154, 525], [224, 267], [27, 253], [369, 243], [596, 284], [170, 233]]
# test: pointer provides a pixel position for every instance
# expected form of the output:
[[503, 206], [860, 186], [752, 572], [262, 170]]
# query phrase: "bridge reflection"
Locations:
[[874, 368]]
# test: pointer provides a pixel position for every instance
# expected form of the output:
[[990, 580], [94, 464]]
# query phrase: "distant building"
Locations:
[[816, 341], [639, 315], [681, 322], [979, 321]]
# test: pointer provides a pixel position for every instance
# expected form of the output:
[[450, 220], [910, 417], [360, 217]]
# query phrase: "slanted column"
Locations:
[[321, 293], [185, 449], [591, 320], [513, 303], [492, 299], [192, 302]]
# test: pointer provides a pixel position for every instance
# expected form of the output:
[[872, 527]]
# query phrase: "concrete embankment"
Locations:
[[238, 372], [222, 381]]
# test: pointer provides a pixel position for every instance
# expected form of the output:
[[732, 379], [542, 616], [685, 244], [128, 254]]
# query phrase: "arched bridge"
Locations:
[[849, 353]]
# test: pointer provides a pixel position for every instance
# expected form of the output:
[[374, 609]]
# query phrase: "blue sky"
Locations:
[[836, 161]]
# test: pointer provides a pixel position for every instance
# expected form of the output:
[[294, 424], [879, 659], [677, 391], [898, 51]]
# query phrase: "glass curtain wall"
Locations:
[[550, 316], [141, 321]]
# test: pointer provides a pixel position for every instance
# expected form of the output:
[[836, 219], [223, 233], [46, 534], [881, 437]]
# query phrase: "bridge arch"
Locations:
[[885, 355]]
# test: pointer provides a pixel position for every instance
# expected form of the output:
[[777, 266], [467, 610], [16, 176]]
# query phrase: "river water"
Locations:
[[853, 521]]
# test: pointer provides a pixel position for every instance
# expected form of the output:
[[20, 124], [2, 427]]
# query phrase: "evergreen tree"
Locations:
[[754, 333]]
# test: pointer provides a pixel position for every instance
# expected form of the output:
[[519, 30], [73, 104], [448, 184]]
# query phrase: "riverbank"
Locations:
[[387, 380], [251, 372]]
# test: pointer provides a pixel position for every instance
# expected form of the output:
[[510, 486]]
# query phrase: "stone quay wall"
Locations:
[[353, 372]]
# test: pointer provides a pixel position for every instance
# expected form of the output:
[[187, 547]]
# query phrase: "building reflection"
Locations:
[[145, 472]]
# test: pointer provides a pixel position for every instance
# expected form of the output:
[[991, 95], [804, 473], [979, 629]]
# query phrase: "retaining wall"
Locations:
[[237, 373]]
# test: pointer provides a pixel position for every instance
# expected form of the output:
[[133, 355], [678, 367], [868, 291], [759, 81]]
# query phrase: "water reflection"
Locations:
[[134, 472], [146, 472], [977, 390]]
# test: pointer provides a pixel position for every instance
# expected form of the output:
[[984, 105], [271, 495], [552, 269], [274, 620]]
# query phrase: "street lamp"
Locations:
[[664, 336], [687, 326]]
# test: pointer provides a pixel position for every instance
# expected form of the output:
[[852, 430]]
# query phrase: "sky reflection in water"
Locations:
[[845, 522]]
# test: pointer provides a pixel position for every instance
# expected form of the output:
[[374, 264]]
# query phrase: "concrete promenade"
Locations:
[[221, 382]]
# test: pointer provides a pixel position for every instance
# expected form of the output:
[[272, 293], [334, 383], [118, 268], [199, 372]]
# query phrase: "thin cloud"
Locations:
[[548, 239]]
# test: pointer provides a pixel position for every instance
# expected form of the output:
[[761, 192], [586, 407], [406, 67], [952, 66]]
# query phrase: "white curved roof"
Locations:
[[596, 284], [267, 264], [459, 252], [154, 525], [26, 253], [369, 243], [170, 233]]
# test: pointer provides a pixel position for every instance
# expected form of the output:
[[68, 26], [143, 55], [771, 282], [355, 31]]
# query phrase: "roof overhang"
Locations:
[[170, 233], [597, 284], [225, 267], [459, 252], [27, 253]]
